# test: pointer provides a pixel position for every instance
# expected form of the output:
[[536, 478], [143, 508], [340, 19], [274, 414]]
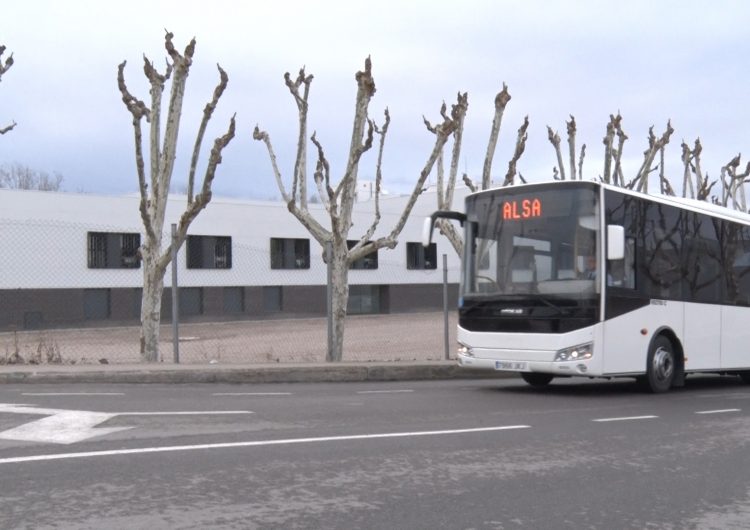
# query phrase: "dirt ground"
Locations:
[[394, 337]]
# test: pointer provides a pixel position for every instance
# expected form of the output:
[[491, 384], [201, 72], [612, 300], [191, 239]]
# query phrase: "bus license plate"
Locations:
[[515, 366]]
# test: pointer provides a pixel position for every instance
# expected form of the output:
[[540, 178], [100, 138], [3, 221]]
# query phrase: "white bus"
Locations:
[[573, 278]]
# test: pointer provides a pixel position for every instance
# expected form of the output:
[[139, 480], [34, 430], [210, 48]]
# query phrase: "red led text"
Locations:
[[522, 209]]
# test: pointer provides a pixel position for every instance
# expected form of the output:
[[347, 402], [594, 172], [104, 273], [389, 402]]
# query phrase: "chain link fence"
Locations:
[[67, 297]]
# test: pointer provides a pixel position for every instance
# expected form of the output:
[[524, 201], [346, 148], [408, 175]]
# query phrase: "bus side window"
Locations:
[[622, 271]]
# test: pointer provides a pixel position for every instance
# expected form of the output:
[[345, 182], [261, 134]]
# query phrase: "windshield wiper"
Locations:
[[560, 310]]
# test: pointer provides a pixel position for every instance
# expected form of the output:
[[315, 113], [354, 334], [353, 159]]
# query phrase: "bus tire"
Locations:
[[661, 365], [745, 376], [537, 380]]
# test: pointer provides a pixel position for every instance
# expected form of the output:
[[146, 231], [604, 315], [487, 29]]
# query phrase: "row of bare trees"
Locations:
[[20, 177], [333, 229]]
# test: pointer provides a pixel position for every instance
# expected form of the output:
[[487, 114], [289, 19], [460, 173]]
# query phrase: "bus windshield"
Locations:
[[532, 242]]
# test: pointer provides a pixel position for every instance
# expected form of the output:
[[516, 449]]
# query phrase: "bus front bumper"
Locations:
[[558, 368]]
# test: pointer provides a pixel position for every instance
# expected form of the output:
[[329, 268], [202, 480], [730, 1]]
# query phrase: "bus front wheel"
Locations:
[[660, 371], [537, 380]]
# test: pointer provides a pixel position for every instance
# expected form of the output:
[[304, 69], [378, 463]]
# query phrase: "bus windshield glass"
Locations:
[[533, 241]]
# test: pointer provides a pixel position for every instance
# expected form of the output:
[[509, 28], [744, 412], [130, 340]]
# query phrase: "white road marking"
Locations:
[[59, 427], [252, 394], [258, 443], [72, 394], [186, 413], [385, 391], [722, 411], [730, 395], [71, 426], [628, 418]]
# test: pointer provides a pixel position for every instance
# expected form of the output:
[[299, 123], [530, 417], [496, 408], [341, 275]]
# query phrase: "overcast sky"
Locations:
[[652, 60]]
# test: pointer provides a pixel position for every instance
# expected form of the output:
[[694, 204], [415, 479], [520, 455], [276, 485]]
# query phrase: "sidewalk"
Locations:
[[237, 373]]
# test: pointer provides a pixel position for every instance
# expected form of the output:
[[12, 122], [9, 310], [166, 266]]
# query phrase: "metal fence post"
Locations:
[[329, 296], [446, 333], [175, 300]]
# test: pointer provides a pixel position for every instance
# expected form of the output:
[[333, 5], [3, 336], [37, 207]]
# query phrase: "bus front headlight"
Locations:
[[465, 350], [575, 353]]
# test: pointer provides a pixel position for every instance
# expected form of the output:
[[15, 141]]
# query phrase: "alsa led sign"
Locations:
[[522, 209]]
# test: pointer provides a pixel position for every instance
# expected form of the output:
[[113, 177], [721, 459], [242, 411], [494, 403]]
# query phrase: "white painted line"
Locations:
[[252, 394], [258, 443], [73, 394], [628, 418], [722, 411], [186, 413], [730, 395], [385, 391]]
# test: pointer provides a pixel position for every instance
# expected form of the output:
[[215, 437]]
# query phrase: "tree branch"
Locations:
[[207, 113], [458, 114], [262, 136], [501, 101], [381, 132], [520, 147], [299, 177], [323, 176], [554, 139], [4, 67], [138, 110], [571, 126], [365, 91]]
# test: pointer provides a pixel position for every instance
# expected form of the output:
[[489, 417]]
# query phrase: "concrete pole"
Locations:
[[329, 296], [175, 300], [446, 333]]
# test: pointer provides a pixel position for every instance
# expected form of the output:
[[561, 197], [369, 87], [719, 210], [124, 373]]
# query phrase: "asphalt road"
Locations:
[[481, 454]]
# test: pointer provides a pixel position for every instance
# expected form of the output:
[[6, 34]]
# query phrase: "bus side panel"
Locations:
[[625, 344], [702, 340], [735, 337]]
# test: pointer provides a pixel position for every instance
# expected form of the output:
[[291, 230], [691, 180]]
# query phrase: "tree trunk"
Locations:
[[340, 295], [153, 286]]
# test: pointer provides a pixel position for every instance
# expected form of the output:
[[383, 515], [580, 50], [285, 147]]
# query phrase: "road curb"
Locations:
[[255, 375]]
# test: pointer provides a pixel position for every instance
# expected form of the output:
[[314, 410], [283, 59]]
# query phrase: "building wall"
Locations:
[[23, 309], [46, 279]]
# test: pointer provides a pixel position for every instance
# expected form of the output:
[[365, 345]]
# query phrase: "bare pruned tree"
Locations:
[[4, 67], [154, 187], [338, 199], [733, 184], [613, 172], [558, 172], [446, 187], [19, 177]]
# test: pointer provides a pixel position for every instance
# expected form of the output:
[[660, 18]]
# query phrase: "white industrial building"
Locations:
[[69, 260]]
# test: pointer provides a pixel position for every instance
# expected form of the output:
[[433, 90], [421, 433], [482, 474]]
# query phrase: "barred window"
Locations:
[[420, 258], [209, 252], [290, 253], [113, 250]]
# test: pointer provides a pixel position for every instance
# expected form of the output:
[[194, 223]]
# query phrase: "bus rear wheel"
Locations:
[[660, 370], [537, 380]]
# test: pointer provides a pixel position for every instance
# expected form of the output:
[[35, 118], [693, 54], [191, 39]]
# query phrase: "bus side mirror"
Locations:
[[429, 223], [615, 242]]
